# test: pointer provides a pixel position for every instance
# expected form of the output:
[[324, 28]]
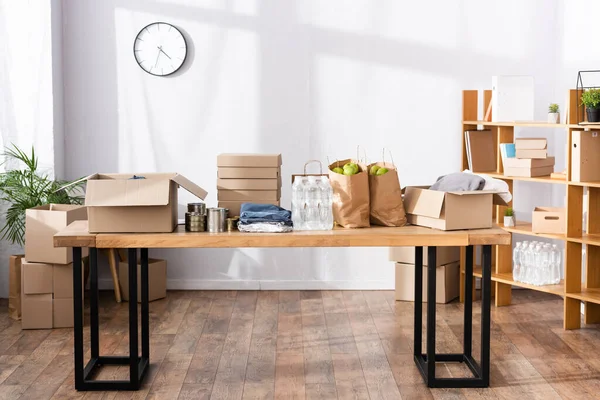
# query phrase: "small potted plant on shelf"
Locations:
[[553, 114], [509, 218], [591, 100]]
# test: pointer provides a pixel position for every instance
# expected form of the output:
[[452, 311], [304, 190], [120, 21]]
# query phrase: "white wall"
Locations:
[[309, 79], [28, 107]]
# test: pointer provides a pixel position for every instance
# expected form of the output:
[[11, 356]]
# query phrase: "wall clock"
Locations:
[[160, 49]]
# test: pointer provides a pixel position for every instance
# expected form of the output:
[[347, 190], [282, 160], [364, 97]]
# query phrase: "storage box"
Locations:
[[119, 203], [248, 173], [62, 280], [36, 311], [450, 210], [585, 159], [62, 313], [157, 280], [248, 195], [235, 206], [36, 277], [529, 172], [526, 154], [249, 184], [549, 220], [528, 162], [249, 160], [42, 223], [406, 255], [446, 288], [531, 143]]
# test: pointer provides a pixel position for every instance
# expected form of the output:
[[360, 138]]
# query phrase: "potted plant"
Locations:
[[553, 114], [591, 100], [23, 186], [509, 218]]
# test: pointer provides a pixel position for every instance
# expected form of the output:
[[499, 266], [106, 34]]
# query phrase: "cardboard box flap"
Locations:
[[78, 181], [127, 192], [472, 192], [420, 201], [190, 186]]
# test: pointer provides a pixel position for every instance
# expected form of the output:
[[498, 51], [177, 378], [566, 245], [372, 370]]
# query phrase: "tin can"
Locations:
[[195, 222]]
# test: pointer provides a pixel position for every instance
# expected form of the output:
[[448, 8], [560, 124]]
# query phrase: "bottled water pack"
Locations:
[[537, 263], [312, 201]]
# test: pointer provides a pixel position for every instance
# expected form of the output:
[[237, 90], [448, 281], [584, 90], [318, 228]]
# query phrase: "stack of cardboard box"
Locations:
[[248, 178], [447, 273], [46, 271], [531, 159]]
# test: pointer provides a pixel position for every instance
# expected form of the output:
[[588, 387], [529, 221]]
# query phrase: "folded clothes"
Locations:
[[253, 213], [497, 185], [458, 182], [270, 227]]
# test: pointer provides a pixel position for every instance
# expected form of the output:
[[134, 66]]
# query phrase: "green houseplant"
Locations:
[[553, 113], [509, 217], [23, 186], [591, 100]]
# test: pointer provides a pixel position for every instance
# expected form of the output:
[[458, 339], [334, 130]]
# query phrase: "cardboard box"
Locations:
[[41, 224], [585, 162], [14, 286], [406, 255], [526, 154], [529, 172], [36, 311], [249, 160], [248, 173], [157, 280], [249, 184], [62, 313], [450, 210], [447, 282], [528, 162], [118, 203], [248, 195], [531, 144], [62, 280], [36, 278], [549, 220], [235, 206]]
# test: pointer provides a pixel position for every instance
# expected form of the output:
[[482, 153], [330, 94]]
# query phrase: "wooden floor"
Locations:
[[308, 344]]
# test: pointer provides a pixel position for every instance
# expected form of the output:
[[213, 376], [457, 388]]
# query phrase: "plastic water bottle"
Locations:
[[298, 203], [546, 268], [517, 262], [312, 194], [326, 211], [555, 261], [539, 273]]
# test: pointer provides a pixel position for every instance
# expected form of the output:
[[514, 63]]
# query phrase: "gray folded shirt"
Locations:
[[458, 182]]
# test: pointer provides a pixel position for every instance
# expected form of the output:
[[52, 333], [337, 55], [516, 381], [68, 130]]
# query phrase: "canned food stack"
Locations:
[[248, 178], [195, 218]]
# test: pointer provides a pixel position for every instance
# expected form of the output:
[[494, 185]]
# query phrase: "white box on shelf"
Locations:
[[512, 98]]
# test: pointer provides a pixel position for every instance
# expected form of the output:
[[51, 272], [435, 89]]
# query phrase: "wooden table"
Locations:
[[76, 236]]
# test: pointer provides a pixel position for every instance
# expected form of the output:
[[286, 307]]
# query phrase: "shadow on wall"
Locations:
[[290, 105]]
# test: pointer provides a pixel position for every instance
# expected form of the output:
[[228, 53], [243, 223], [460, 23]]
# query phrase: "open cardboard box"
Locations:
[[118, 203], [450, 210]]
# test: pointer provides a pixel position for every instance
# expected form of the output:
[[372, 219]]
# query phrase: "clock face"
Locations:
[[160, 49]]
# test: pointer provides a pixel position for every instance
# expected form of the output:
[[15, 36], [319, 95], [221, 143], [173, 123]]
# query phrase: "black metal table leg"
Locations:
[[138, 366], [426, 362]]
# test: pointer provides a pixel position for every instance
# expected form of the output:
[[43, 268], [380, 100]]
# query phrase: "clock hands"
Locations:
[[157, 57], [161, 50]]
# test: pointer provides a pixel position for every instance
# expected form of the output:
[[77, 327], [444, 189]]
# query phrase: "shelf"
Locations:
[[591, 295], [587, 184], [533, 124], [524, 228], [507, 278], [593, 239], [540, 179]]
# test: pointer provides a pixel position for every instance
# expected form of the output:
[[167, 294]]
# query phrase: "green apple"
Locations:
[[348, 170], [374, 169], [338, 170], [382, 171], [353, 166]]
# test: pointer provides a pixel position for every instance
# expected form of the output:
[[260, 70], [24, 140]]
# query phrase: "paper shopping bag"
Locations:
[[386, 205], [350, 195], [14, 287]]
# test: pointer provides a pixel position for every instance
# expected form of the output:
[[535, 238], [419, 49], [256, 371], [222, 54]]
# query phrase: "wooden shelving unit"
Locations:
[[571, 289]]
